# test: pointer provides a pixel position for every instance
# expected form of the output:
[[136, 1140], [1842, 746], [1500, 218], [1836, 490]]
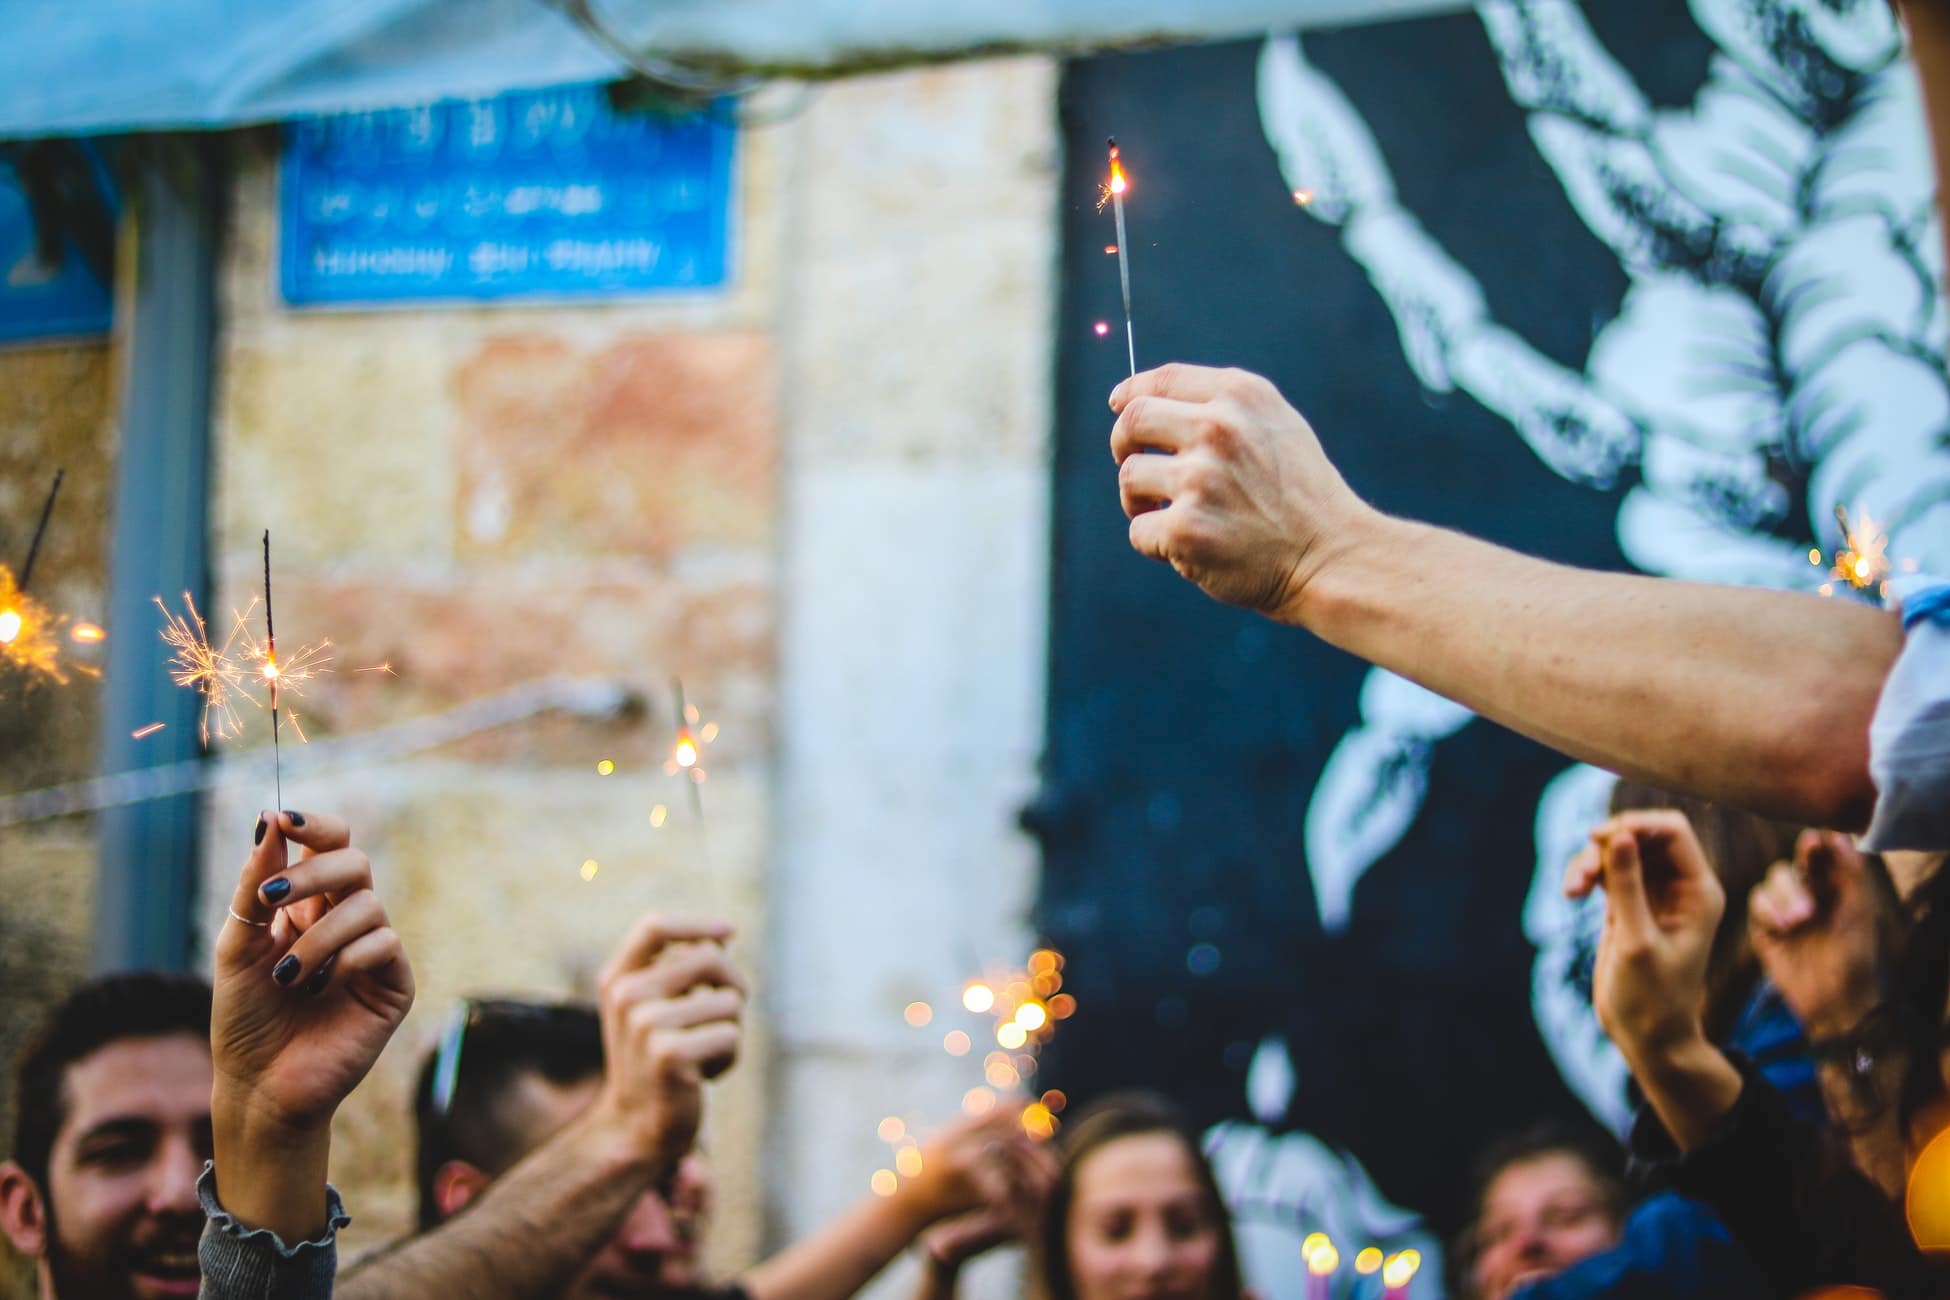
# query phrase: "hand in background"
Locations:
[[672, 1007]]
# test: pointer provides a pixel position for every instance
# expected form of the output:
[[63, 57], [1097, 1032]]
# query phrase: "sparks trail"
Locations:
[[210, 670]]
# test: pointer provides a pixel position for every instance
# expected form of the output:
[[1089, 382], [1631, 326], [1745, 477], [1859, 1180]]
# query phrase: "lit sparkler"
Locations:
[[687, 750], [29, 633], [1113, 192], [1863, 558], [28, 637], [225, 672], [285, 676]]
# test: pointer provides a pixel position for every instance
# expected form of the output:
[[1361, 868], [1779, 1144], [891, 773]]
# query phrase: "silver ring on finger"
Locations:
[[262, 925]]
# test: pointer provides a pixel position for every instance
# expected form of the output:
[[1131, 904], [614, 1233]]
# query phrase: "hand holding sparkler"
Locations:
[[1229, 484], [310, 983], [672, 1008]]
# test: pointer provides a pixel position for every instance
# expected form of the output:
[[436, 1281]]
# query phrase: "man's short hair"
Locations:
[[140, 1004], [460, 1106]]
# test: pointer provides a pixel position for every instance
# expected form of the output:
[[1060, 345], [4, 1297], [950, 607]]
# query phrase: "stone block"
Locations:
[[643, 447], [343, 449]]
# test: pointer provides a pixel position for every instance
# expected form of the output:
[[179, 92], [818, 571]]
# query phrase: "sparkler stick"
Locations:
[[271, 672], [1117, 187], [40, 529]]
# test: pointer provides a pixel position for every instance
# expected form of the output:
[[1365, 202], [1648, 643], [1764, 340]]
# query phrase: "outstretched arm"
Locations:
[[1751, 697], [671, 1010]]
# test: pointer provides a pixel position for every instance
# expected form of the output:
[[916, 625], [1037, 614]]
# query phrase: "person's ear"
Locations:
[[455, 1186], [23, 1213]]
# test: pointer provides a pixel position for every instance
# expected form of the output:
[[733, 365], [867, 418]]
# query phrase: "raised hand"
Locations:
[[305, 1003], [1813, 924], [310, 983], [1227, 483], [1663, 904], [672, 1008]]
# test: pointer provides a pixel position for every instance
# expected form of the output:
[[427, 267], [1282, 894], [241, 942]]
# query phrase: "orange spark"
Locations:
[[143, 733], [28, 631], [1863, 560]]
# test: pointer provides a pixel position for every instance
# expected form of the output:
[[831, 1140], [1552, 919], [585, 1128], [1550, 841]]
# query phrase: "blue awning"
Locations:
[[76, 67]]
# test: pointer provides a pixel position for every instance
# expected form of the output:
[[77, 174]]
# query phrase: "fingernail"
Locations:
[[316, 984], [260, 830], [273, 890], [296, 819], [285, 971]]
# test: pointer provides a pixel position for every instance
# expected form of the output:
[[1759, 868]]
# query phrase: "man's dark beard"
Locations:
[[107, 1275]]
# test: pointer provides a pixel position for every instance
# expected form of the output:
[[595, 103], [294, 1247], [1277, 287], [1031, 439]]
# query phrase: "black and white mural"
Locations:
[[1636, 284]]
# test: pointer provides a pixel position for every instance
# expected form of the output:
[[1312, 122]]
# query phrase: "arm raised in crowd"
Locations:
[[1663, 904], [310, 983], [671, 1007], [968, 1164], [1750, 697]]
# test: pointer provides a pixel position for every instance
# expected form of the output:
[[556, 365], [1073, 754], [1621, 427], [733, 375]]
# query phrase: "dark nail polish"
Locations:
[[285, 971], [297, 819], [316, 984], [273, 890], [260, 830]]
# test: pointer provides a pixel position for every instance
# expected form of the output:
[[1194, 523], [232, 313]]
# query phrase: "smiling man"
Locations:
[[112, 1128]]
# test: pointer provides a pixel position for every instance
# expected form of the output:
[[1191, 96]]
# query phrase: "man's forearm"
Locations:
[[842, 1257], [1746, 696], [533, 1229]]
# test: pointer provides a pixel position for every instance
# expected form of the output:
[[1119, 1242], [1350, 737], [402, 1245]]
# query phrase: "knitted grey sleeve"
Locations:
[[242, 1263]]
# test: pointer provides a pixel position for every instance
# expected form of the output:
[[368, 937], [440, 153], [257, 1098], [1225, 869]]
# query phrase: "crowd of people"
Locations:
[[1774, 969]]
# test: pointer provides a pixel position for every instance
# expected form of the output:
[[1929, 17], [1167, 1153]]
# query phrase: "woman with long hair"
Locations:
[[1130, 1212]]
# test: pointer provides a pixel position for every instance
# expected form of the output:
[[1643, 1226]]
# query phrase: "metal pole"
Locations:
[[166, 302]]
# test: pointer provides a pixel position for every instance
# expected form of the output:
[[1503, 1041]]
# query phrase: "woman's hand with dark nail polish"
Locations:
[[286, 970], [262, 826], [274, 890], [295, 818]]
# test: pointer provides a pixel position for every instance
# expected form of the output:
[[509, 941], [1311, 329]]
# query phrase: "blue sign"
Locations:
[[533, 195], [39, 299]]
